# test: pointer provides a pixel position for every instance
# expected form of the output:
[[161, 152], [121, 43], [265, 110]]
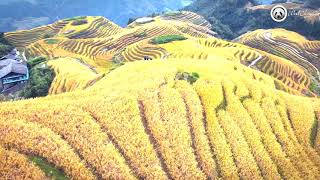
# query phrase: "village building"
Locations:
[[12, 72], [14, 54]]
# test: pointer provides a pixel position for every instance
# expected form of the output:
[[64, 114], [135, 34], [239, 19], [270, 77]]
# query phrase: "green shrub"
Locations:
[[48, 35], [3, 40], [117, 62], [35, 61], [79, 22], [40, 79], [75, 18], [314, 132], [52, 41], [167, 38], [5, 46], [172, 13], [315, 88], [141, 35], [190, 77], [5, 49], [47, 168]]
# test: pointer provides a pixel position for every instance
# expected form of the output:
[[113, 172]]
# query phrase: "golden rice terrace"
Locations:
[[163, 99]]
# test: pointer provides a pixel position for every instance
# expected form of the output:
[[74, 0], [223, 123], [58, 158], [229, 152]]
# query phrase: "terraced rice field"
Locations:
[[142, 50], [289, 45], [84, 49], [244, 115], [71, 75], [133, 44], [294, 79], [96, 27], [186, 16], [290, 74], [24, 38], [100, 27], [97, 46], [140, 122]]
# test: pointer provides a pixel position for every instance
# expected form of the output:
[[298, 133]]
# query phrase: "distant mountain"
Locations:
[[232, 18], [25, 14], [264, 1]]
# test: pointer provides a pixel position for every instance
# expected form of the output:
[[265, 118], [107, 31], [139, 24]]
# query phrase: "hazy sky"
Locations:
[[2, 2], [31, 13]]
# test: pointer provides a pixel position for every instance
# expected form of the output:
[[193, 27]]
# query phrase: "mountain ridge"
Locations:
[[49, 11], [230, 21], [110, 46]]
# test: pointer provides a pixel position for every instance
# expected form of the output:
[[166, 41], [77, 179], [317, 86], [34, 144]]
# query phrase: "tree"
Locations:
[[5, 46]]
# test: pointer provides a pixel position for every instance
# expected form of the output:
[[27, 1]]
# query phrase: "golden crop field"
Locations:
[[164, 99], [134, 44], [98, 40], [93, 27], [289, 45], [295, 79], [101, 44], [14, 165], [70, 75], [141, 122], [23, 38]]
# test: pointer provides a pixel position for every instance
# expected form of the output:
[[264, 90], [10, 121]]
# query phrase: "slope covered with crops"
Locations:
[[289, 45], [163, 99], [74, 28], [23, 38], [293, 78], [101, 45], [71, 75], [144, 121], [96, 40]]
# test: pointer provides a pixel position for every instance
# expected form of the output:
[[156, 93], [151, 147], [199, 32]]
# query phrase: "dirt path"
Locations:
[[255, 61]]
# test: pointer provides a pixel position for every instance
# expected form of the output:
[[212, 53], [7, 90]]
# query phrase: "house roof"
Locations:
[[11, 66], [12, 55]]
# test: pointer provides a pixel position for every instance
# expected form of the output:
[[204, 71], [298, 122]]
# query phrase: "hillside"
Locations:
[[26, 14], [287, 44], [231, 19], [77, 27], [163, 98], [292, 77], [109, 46], [71, 75], [201, 133], [98, 41]]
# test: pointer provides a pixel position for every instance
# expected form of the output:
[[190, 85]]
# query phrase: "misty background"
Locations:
[[26, 14]]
